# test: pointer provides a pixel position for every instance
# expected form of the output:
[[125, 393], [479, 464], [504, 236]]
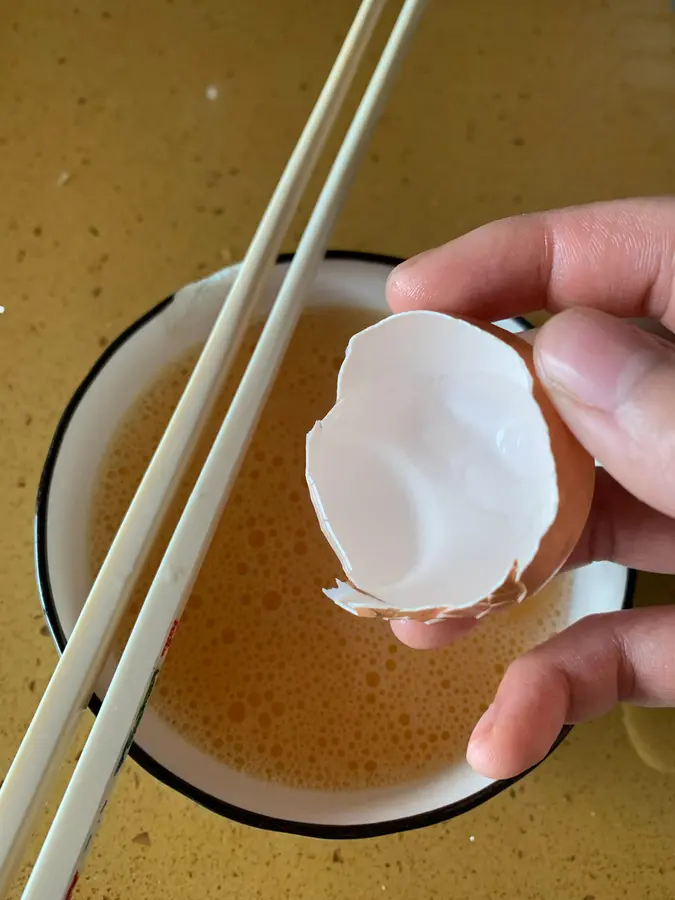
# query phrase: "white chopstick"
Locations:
[[72, 684], [86, 796]]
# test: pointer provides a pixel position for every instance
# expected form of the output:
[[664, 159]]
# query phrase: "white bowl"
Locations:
[[126, 368]]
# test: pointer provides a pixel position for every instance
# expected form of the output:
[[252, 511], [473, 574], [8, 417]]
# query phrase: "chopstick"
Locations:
[[72, 684], [86, 796]]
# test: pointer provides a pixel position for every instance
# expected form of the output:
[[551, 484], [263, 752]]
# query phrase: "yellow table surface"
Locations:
[[120, 181]]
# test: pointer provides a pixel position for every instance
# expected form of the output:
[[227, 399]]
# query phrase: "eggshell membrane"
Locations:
[[574, 469]]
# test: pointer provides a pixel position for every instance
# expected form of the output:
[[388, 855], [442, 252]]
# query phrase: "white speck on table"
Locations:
[[212, 92]]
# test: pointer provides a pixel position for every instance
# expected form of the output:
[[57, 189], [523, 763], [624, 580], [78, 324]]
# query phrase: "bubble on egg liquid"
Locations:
[[265, 673]]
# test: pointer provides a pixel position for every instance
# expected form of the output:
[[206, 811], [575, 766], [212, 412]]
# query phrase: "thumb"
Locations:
[[577, 675], [615, 387]]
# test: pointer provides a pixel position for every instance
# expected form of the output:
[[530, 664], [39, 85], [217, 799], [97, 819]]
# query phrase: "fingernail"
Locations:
[[412, 261], [480, 750], [484, 726], [593, 358]]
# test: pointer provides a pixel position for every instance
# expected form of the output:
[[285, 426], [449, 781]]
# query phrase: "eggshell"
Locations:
[[394, 472]]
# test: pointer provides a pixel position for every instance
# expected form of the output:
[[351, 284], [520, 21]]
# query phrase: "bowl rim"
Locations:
[[145, 760]]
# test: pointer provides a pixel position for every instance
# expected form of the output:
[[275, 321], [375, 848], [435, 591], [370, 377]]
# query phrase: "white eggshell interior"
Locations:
[[433, 474]]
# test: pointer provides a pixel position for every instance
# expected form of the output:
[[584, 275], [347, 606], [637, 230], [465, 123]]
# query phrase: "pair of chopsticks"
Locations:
[[57, 867]]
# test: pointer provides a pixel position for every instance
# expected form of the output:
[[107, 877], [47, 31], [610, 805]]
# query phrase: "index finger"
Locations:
[[617, 256]]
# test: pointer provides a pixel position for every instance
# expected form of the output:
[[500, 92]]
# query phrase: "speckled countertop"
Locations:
[[122, 177]]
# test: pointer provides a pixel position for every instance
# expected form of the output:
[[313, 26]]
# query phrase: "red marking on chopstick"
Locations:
[[73, 885], [169, 639]]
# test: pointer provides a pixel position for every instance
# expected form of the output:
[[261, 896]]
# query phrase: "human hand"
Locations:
[[615, 387]]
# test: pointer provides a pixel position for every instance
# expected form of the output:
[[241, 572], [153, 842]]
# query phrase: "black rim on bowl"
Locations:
[[149, 763]]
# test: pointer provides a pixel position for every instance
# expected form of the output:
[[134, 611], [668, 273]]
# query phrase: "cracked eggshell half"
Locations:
[[443, 478]]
